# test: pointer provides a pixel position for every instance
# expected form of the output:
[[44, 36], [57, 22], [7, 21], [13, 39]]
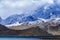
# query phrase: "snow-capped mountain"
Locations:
[[18, 18], [43, 14], [47, 11], [13, 19]]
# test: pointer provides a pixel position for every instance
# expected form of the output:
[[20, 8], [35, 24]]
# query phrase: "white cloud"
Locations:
[[9, 7], [10, 3], [23, 3]]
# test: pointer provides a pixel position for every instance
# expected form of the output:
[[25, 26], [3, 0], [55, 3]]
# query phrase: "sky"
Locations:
[[11, 7]]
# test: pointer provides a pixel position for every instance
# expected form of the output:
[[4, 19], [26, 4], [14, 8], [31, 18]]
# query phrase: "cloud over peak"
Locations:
[[9, 7]]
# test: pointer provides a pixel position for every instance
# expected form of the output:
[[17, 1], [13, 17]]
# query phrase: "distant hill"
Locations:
[[34, 31]]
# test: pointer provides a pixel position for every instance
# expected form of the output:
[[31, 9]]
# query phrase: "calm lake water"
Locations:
[[19, 39]]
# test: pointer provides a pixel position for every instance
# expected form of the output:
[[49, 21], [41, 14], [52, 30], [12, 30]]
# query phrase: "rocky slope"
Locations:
[[52, 27], [34, 31]]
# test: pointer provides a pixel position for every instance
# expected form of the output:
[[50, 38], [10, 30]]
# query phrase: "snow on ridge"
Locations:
[[26, 23], [15, 24], [34, 22]]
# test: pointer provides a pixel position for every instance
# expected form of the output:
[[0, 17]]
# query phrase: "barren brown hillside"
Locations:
[[34, 31]]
